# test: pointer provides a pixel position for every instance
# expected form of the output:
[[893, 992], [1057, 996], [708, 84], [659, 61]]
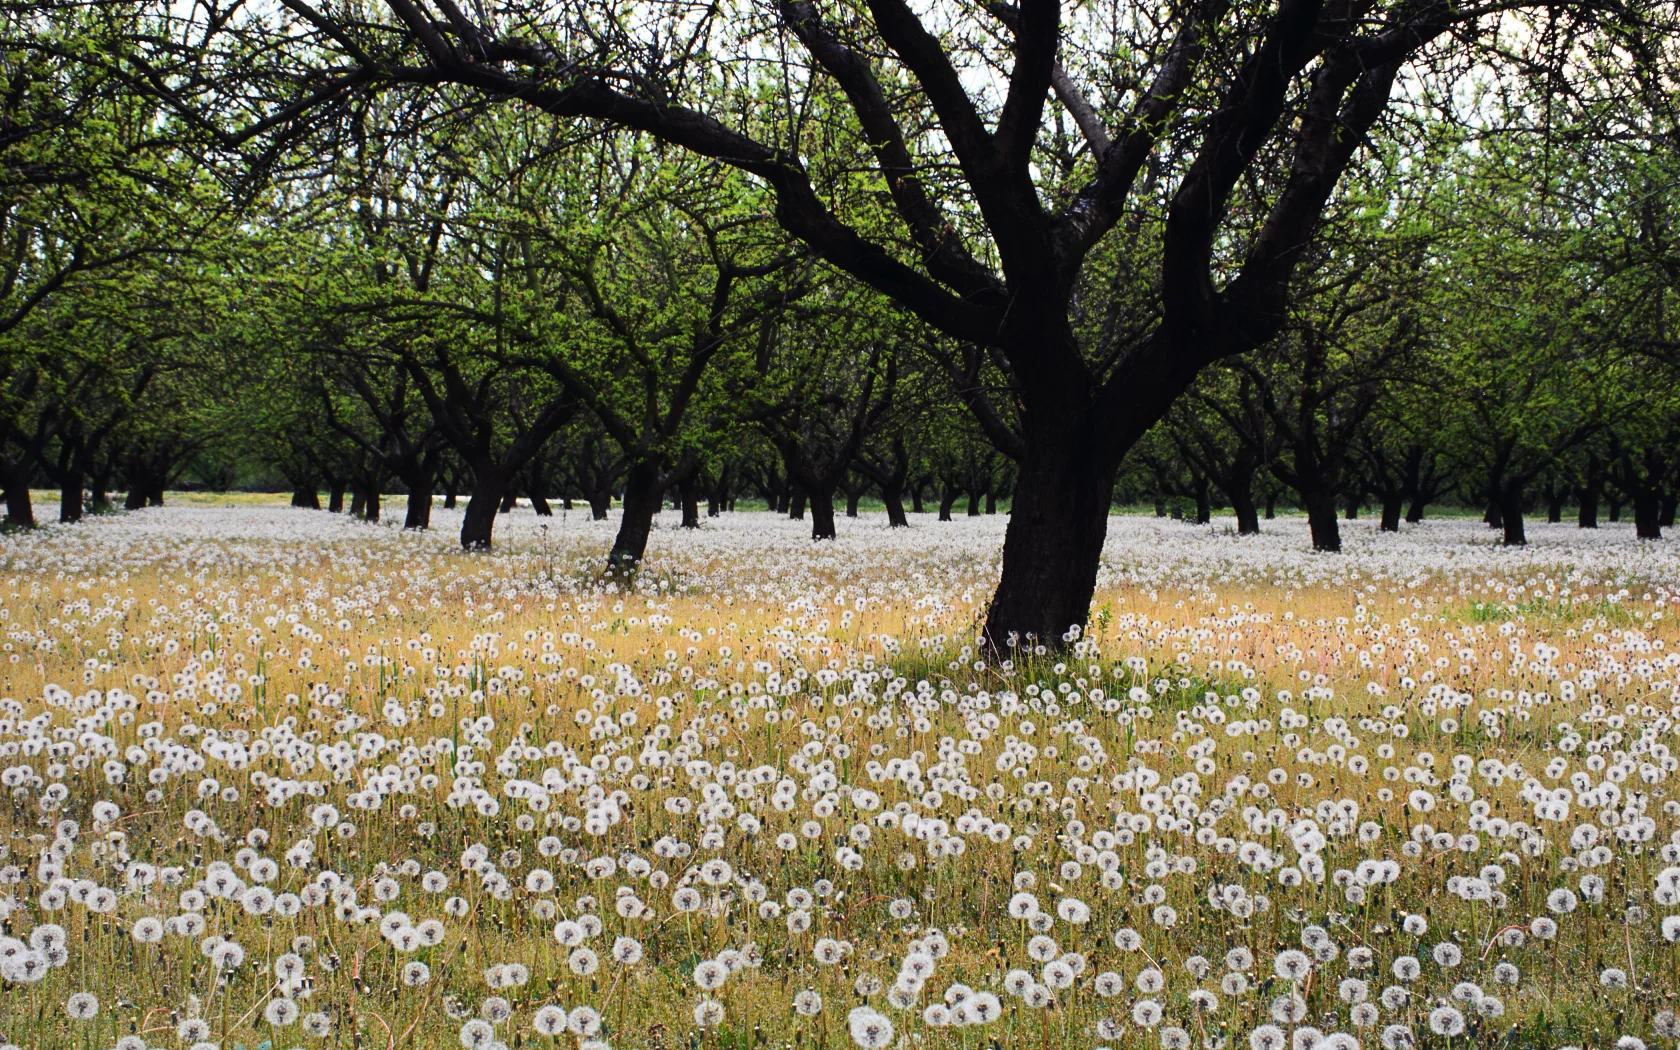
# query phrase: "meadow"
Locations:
[[277, 778]]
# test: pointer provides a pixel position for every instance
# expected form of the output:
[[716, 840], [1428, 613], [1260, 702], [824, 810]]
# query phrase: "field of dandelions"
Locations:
[[275, 778]]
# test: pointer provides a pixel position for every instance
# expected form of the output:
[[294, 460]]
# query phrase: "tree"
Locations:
[[924, 167]]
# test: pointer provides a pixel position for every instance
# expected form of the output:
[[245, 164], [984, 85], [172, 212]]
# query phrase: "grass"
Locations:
[[533, 643]]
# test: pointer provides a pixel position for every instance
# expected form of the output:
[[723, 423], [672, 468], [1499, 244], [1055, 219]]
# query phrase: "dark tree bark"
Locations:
[[854, 492], [306, 497], [14, 478], [1392, 504], [644, 494], [947, 501], [510, 498], [418, 515], [1589, 492], [1556, 493], [358, 502], [70, 489], [478, 523], [335, 498], [689, 489], [1670, 503], [1642, 477], [1320, 502], [1510, 506]]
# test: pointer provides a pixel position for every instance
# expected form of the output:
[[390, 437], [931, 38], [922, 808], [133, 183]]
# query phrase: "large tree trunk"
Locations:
[[1053, 544], [20, 512], [1615, 502], [1414, 512], [478, 524], [796, 505], [1321, 519], [822, 514], [1392, 504], [893, 496], [419, 514], [70, 495], [1204, 500], [689, 489], [946, 502], [1248, 515], [1554, 504], [370, 509], [991, 501], [1647, 514], [358, 502], [304, 497], [643, 496], [600, 501], [1510, 507], [852, 496], [1589, 492], [335, 498]]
